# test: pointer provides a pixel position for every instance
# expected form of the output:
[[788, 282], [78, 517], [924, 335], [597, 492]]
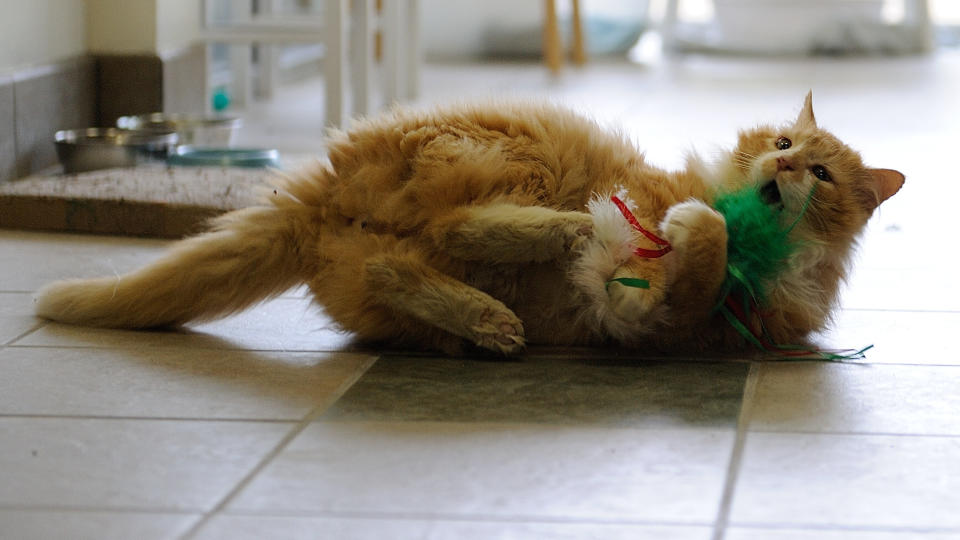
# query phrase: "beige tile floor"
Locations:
[[271, 424]]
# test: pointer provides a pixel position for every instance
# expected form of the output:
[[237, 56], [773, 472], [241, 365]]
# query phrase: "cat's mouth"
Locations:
[[770, 193]]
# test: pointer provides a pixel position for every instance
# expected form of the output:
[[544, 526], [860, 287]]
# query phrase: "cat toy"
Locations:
[[758, 248]]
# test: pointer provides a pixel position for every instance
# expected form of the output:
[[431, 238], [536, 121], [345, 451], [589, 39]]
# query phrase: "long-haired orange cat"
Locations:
[[492, 225]]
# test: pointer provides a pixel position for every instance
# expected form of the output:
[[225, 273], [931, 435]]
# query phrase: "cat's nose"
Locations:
[[783, 164]]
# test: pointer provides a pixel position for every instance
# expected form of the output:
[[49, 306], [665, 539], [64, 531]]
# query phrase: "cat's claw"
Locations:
[[499, 331]]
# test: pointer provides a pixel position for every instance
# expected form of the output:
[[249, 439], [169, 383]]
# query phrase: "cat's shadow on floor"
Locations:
[[608, 388]]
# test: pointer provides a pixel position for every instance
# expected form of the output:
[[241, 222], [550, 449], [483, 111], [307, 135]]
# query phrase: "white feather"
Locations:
[[613, 244]]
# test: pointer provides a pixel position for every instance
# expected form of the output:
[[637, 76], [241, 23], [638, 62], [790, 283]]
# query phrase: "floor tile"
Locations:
[[31, 260], [566, 531], [819, 397], [127, 464], [557, 391], [821, 534], [172, 383], [859, 481], [295, 528], [16, 316], [932, 288], [229, 527], [496, 470], [57, 525], [898, 337], [283, 324]]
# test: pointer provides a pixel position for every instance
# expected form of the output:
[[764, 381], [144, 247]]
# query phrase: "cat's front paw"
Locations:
[[577, 230], [689, 219]]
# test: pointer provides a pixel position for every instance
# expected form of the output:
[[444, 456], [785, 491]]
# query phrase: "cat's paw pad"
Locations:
[[686, 219], [499, 331]]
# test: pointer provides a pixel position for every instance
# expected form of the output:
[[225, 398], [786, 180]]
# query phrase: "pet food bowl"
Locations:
[[90, 149], [223, 157], [194, 130]]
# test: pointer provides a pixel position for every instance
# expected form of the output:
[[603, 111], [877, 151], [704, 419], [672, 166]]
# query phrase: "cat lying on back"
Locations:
[[491, 225]]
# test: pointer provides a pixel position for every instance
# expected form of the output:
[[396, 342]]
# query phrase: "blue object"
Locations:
[[221, 99]]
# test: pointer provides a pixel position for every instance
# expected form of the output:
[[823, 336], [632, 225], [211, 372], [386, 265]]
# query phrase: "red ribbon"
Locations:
[[632, 220]]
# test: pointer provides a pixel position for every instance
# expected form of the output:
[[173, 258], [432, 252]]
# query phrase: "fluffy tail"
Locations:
[[249, 256]]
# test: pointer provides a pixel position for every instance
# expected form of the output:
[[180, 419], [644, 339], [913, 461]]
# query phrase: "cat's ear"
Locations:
[[806, 119], [886, 183]]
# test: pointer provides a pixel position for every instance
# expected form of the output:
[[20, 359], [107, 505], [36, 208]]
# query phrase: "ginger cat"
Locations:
[[490, 225]]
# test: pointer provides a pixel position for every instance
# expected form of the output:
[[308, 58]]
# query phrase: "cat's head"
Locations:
[[801, 161]]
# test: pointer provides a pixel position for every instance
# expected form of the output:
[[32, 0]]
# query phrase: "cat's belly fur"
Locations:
[[384, 193]]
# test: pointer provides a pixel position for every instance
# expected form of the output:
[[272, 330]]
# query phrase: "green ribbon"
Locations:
[[630, 282]]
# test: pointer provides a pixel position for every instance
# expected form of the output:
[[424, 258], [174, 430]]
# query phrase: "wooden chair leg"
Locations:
[[579, 47], [552, 46]]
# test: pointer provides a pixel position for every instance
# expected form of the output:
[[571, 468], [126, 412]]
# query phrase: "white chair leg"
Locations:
[[362, 33], [240, 57], [413, 50], [240, 91], [394, 38], [268, 58], [208, 88], [669, 27], [335, 62]]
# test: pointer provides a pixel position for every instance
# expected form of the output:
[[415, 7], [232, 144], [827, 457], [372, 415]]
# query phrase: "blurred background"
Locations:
[[290, 68]]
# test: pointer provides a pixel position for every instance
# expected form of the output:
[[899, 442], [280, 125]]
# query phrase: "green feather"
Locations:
[[758, 245]]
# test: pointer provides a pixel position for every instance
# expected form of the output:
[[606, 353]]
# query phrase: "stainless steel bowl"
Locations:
[[90, 149], [196, 130]]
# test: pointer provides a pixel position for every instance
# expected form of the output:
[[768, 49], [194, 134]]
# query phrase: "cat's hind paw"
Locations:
[[499, 331]]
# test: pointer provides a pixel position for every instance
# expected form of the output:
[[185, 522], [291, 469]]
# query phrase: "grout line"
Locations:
[[192, 346], [860, 433], [34, 328], [736, 453], [99, 509], [466, 517], [811, 527], [310, 417], [147, 418]]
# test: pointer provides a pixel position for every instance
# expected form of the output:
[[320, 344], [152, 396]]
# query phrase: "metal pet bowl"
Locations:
[[90, 149], [196, 130], [223, 157]]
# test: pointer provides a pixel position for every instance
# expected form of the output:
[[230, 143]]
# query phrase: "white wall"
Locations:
[[121, 26], [178, 23], [141, 26], [456, 28], [34, 32]]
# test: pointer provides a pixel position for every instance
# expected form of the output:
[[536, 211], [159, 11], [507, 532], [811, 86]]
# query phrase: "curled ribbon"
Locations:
[[632, 220]]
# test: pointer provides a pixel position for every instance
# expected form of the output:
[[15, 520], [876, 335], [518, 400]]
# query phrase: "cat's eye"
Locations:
[[783, 143], [821, 173]]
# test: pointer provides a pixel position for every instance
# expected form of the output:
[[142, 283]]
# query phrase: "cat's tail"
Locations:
[[249, 255]]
